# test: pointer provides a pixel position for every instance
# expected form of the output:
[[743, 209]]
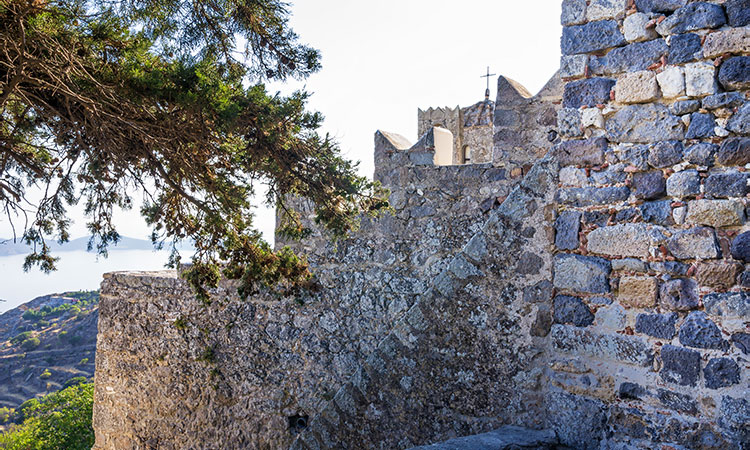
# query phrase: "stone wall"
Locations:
[[650, 342]]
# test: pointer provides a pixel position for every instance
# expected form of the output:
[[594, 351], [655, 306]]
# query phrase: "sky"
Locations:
[[381, 60]]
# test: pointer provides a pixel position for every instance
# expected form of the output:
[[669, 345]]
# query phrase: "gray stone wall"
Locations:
[[650, 342]]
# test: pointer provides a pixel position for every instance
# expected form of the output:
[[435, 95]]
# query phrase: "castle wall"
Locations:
[[650, 342]]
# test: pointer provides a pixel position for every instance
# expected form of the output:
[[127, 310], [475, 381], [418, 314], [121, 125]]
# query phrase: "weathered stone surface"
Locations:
[[644, 124], [660, 6], [629, 239], [679, 295], [629, 264], [672, 83], [581, 422], [734, 152], [637, 87], [591, 37], [660, 326], [680, 365], [567, 226], [588, 152], [588, 92], [507, 437], [716, 213], [632, 57], [589, 196], [684, 48], [572, 310], [633, 155], [741, 247], [738, 12], [684, 184], [740, 121], [720, 275], [744, 280], [734, 73], [605, 9], [721, 372], [612, 317], [673, 268], [727, 184], [677, 401], [659, 212], [665, 154], [693, 16], [635, 28], [583, 341], [700, 332], [582, 273], [723, 100], [701, 126], [573, 176], [700, 79], [701, 154], [734, 416], [573, 66], [728, 305], [538, 293], [733, 40], [697, 243], [573, 12], [631, 391], [649, 185], [529, 264], [569, 122], [638, 292], [683, 106], [742, 342]]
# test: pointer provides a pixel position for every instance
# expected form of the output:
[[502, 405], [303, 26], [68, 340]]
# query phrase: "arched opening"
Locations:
[[466, 155]]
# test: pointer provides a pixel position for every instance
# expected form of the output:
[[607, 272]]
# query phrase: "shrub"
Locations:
[[83, 362], [74, 381], [20, 337], [46, 374], [6, 415], [30, 343]]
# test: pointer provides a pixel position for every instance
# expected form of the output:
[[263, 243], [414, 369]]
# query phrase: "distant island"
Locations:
[[8, 247]]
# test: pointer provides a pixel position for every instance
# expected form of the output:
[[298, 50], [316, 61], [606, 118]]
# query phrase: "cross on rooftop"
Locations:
[[487, 92]]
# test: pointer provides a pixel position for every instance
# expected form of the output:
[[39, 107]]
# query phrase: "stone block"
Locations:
[[734, 417], [699, 331], [589, 152], [592, 117], [721, 372], [701, 154], [529, 264], [684, 48], [729, 305], [632, 57], [696, 243], [629, 264], [644, 124], [573, 176], [723, 100], [638, 292], [538, 293], [657, 212], [738, 12], [700, 79], [569, 122], [683, 106], [734, 73], [611, 317], [635, 28], [572, 310], [701, 126], [694, 16], [588, 92], [615, 347], [673, 268], [672, 83], [637, 87], [740, 121], [716, 213], [679, 295], [590, 196], [629, 239], [664, 154], [605, 9], [720, 275], [631, 391], [742, 342], [567, 226], [727, 184], [573, 66], [591, 37], [649, 185], [573, 12], [734, 152], [741, 247], [677, 401], [744, 280], [732, 40], [686, 183], [614, 174], [660, 326], [680, 365], [659, 6], [584, 274], [579, 422], [633, 155]]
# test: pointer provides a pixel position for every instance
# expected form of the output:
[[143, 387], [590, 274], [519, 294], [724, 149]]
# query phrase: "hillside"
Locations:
[[8, 247], [46, 342]]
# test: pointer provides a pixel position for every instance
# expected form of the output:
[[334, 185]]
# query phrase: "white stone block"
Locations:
[[672, 82], [573, 66], [592, 117], [605, 9], [637, 87], [634, 28], [573, 176], [700, 79]]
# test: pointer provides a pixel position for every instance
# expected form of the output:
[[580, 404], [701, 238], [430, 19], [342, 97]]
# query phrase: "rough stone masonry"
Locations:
[[597, 287]]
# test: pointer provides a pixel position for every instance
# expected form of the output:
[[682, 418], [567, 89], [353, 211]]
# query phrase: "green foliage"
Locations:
[[20, 337], [74, 381], [30, 343], [180, 323], [57, 421], [85, 299], [6, 415], [46, 374], [101, 99], [83, 362]]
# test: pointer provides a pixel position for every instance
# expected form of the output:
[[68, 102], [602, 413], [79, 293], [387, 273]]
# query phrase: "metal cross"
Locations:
[[487, 92]]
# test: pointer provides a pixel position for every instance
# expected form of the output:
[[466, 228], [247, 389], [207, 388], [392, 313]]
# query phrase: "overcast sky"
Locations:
[[383, 59]]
